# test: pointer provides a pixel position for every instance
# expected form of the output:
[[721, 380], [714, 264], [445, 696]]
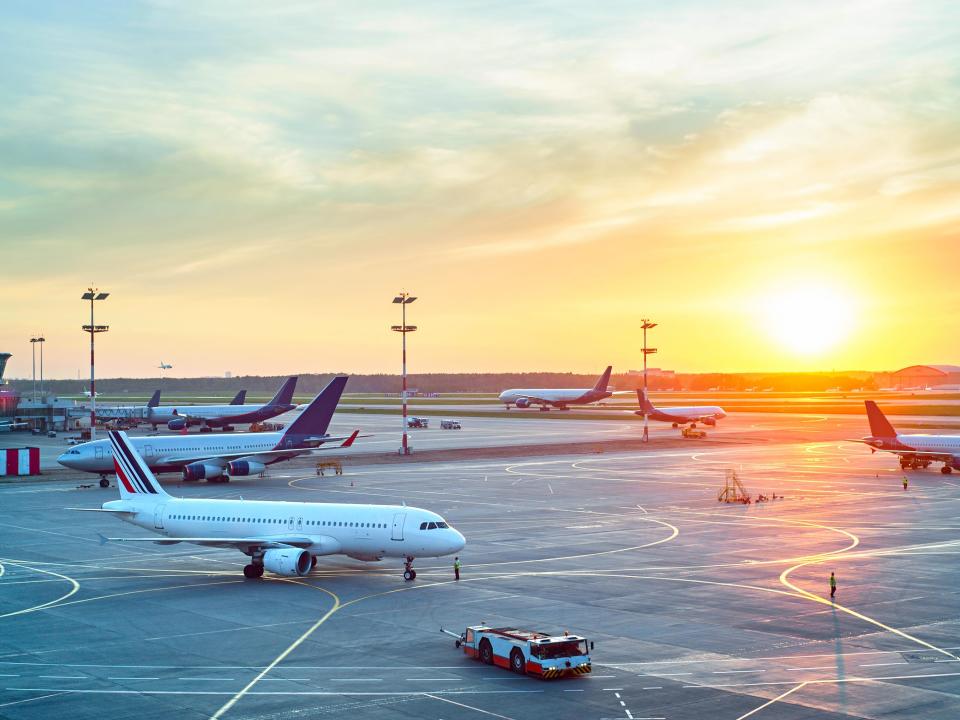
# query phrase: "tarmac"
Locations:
[[696, 608]]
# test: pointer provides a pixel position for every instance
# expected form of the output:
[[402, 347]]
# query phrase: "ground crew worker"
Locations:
[[905, 483], [456, 568], [833, 585]]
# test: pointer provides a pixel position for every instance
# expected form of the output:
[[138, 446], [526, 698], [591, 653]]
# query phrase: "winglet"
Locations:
[[604, 380], [155, 400], [349, 441], [880, 427]]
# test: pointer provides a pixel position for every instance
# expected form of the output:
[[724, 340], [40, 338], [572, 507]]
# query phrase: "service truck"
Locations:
[[527, 651]]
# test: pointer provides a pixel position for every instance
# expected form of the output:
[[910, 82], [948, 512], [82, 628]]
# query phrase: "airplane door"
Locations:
[[158, 517], [98, 453], [299, 523], [148, 451], [290, 524], [398, 526]]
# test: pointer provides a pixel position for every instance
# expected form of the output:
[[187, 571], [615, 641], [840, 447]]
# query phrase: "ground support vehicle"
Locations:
[[528, 652], [694, 434], [450, 425], [417, 422]]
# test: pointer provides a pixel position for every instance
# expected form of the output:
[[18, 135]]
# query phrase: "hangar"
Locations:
[[926, 376]]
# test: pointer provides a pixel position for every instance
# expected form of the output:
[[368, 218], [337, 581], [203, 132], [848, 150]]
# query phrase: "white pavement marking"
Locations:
[[469, 707], [771, 702], [19, 702]]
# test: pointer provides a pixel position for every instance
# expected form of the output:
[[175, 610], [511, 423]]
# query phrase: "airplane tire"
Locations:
[[313, 561], [946, 469], [408, 575], [104, 483], [250, 571]]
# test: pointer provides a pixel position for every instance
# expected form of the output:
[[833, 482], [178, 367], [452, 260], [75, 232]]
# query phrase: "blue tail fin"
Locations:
[[240, 398], [315, 419], [284, 395], [155, 400], [646, 406], [604, 380]]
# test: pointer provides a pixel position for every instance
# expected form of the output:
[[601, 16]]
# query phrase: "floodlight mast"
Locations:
[[647, 325], [404, 299], [93, 294]]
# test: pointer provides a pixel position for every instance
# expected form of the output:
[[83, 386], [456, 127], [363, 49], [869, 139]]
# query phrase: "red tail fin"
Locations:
[[879, 425]]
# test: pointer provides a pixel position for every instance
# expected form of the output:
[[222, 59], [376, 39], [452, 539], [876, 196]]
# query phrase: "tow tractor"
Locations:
[[526, 652]]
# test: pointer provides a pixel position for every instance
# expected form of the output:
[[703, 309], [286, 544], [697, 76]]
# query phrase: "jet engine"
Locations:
[[712, 422], [287, 561], [177, 424], [200, 471], [245, 467], [522, 402]]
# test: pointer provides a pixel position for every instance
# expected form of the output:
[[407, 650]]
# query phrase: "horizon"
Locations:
[[774, 184]]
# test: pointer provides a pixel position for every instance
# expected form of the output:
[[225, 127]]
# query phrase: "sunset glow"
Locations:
[[809, 320]]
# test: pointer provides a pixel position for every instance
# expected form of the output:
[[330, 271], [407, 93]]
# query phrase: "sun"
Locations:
[[808, 319]]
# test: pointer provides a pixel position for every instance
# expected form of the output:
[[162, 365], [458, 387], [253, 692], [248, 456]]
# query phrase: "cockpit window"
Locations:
[[442, 525], [423, 526], [432, 526]]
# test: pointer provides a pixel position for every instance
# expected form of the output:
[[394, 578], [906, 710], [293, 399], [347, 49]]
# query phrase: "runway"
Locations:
[[696, 608]]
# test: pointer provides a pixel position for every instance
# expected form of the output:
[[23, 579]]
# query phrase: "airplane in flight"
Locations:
[[916, 451], [558, 398], [179, 417], [217, 458], [285, 538], [706, 414]]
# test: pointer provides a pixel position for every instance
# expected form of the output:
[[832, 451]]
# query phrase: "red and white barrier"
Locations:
[[20, 461]]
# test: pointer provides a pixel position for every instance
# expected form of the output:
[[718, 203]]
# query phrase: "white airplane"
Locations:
[[557, 397], [915, 451], [178, 417], [283, 537], [214, 457], [706, 414]]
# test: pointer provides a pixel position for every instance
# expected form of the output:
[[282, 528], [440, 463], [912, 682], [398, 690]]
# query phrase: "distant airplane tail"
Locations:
[[240, 398], [315, 419], [880, 427], [134, 478], [154, 400], [604, 380], [646, 407], [284, 395]]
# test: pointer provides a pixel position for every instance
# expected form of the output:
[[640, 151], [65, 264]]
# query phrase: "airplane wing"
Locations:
[[224, 458], [242, 543]]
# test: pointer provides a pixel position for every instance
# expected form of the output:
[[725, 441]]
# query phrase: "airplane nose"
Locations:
[[459, 542], [65, 461]]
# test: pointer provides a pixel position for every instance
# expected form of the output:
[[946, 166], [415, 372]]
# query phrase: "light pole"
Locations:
[[93, 294], [41, 340], [647, 325], [33, 351], [404, 299]]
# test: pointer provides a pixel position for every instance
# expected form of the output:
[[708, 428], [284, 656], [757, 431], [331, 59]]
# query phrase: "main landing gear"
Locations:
[[408, 572], [946, 469], [104, 483], [253, 570]]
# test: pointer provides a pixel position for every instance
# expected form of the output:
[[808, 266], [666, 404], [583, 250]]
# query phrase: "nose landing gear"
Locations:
[[408, 572], [104, 483]]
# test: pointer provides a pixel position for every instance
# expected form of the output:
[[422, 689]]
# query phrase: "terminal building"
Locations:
[[921, 377]]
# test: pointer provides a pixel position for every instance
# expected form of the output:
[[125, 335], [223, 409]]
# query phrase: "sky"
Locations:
[[776, 184]]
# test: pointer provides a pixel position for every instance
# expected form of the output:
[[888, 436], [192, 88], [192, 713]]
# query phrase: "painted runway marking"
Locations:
[[469, 707]]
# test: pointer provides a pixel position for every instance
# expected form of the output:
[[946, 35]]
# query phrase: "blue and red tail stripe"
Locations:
[[131, 470]]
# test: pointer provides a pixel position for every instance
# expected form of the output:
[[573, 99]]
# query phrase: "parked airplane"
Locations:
[[283, 537], [218, 457], [559, 398], [915, 451], [707, 414], [132, 412], [178, 417]]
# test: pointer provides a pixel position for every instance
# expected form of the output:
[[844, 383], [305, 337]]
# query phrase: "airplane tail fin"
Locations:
[[879, 425], [315, 419], [133, 476], [240, 398], [604, 380], [284, 395], [646, 407], [154, 400]]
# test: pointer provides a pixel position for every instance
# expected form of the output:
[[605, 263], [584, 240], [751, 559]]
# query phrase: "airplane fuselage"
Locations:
[[557, 397], [366, 532], [97, 456], [683, 415]]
